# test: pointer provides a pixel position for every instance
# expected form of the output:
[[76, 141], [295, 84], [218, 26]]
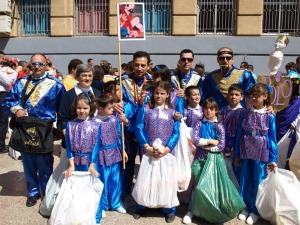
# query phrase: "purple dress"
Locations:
[[157, 123], [258, 137], [230, 118], [193, 115], [81, 140]]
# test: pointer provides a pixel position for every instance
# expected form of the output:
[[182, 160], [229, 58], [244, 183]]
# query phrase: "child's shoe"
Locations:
[[121, 209], [170, 217], [138, 213], [187, 219], [243, 215], [252, 218]]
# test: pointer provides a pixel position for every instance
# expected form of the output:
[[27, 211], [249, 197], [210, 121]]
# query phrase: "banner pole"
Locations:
[[121, 101]]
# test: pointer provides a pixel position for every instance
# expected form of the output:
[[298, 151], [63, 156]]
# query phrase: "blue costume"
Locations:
[[128, 173], [131, 88], [211, 130], [193, 115], [43, 103], [208, 130], [256, 145], [230, 118], [157, 123], [82, 138], [65, 113], [107, 158], [216, 85], [182, 81]]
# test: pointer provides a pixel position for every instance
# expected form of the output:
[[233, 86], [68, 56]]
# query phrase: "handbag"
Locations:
[[31, 134]]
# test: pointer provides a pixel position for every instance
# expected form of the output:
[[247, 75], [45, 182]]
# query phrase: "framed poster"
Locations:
[[131, 21]]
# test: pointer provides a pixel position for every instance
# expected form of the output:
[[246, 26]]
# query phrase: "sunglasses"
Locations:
[[225, 57], [186, 59], [33, 64]]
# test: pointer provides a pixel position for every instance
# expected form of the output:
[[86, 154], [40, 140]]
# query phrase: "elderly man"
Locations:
[[43, 103], [216, 84]]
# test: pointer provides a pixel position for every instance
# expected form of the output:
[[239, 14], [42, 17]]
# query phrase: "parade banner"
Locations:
[[131, 21], [282, 89]]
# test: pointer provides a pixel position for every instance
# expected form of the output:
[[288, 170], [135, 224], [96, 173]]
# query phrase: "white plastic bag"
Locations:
[[156, 183], [283, 146], [14, 154], [183, 154], [77, 201], [294, 161], [278, 198], [54, 184]]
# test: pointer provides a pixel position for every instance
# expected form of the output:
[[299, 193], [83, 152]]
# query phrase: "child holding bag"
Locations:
[[155, 125], [256, 146], [82, 138], [208, 135], [108, 156], [82, 135]]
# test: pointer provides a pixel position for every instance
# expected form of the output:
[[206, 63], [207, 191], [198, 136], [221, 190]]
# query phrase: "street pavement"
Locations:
[[14, 212]]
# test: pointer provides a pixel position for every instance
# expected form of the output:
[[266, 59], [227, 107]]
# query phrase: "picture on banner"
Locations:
[[131, 21], [282, 90]]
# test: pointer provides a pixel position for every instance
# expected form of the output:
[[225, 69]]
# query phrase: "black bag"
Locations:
[[32, 135]]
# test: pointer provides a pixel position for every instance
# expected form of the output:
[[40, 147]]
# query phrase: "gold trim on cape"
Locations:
[[129, 86], [40, 91], [223, 84], [194, 80]]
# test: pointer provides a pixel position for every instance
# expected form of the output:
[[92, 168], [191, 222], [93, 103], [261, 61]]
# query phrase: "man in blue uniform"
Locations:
[[186, 76], [43, 103], [216, 84]]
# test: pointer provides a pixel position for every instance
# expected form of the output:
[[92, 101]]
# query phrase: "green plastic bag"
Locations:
[[215, 198]]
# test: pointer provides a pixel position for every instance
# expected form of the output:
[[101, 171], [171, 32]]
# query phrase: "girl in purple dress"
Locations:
[[256, 148], [155, 120], [82, 134], [82, 138]]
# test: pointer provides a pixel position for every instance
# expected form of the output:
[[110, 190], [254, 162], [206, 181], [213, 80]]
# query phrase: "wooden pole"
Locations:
[[121, 100]]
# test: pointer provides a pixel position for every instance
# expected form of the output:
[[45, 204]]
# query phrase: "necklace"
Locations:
[[135, 89]]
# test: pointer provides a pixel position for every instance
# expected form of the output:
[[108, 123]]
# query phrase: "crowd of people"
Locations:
[[229, 112]]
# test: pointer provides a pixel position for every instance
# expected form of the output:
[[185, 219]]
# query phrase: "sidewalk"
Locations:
[[14, 212]]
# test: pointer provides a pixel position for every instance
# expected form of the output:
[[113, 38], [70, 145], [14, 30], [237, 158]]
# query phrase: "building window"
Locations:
[[35, 17], [216, 17], [92, 17], [157, 16], [281, 17]]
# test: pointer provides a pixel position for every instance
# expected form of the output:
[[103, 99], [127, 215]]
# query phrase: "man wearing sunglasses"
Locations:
[[43, 104], [185, 76], [216, 84]]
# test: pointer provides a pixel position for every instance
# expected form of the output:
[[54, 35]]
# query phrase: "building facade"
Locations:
[[84, 29]]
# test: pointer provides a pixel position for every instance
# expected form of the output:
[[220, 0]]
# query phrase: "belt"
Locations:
[[82, 154], [109, 146]]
